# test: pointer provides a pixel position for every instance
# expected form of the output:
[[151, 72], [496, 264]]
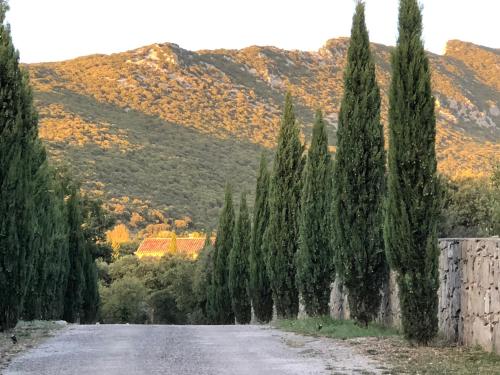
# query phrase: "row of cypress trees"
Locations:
[[47, 270], [237, 276], [315, 218]]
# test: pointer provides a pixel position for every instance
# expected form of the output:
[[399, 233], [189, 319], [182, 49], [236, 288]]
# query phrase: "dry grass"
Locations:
[[400, 357], [28, 335], [438, 358]]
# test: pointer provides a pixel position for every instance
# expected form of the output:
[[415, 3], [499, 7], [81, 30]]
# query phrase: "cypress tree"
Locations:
[[259, 286], [412, 200], [222, 309], [43, 240], [315, 270], [210, 311], [73, 298], [57, 272], [238, 265], [90, 292], [202, 281], [283, 232], [18, 183], [359, 180], [96, 222]]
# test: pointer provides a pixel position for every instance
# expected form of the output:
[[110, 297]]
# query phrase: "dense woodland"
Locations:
[[354, 216]]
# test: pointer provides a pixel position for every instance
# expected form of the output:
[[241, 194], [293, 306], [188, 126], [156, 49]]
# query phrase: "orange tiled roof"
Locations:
[[157, 247]]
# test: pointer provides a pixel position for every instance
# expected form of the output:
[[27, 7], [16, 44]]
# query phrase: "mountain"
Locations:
[[157, 131]]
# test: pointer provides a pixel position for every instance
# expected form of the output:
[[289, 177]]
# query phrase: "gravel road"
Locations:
[[180, 350]]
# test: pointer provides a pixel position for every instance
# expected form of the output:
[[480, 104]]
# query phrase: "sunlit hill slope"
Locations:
[[157, 131]]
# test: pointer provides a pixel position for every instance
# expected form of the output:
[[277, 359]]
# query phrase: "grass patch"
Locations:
[[391, 349], [338, 329]]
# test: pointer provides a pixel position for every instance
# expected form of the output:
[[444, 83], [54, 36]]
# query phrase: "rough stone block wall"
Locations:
[[389, 313], [469, 293], [470, 301]]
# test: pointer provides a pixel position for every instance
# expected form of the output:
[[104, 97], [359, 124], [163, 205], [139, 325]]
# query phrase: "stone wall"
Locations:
[[469, 295]]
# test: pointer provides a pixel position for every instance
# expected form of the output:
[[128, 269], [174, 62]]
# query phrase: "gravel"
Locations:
[[179, 350]]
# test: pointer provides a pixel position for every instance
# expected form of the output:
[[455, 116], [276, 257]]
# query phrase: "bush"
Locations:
[[150, 290], [125, 301], [470, 209]]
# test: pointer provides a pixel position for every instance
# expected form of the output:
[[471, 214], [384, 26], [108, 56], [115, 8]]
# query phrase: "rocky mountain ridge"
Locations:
[[114, 117]]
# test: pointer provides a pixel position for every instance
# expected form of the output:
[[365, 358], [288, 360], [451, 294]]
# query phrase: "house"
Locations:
[[158, 247]]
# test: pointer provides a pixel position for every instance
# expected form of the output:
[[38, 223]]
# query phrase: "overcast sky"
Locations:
[[50, 30]]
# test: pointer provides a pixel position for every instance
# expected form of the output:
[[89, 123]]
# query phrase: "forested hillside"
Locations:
[[157, 130]]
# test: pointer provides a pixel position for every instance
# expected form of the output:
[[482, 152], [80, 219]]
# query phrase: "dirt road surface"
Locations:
[[183, 350]]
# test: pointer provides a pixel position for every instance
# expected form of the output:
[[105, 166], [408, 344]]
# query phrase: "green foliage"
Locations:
[[202, 280], [28, 205], [125, 301], [103, 272], [57, 264], [359, 180], [238, 265], [46, 270], [222, 310], [81, 298], [90, 294], [169, 297], [338, 329], [49, 246], [127, 265], [283, 231], [259, 286], [470, 208], [315, 272], [164, 309], [75, 287], [128, 248], [495, 184], [178, 280], [413, 198], [171, 184], [96, 222]]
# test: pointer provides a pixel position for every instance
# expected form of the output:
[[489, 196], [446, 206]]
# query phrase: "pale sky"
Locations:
[[51, 30]]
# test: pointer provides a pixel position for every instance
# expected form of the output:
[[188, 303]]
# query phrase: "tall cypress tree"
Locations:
[[222, 309], [238, 265], [210, 312], [90, 292], [412, 201], [44, 224], [73, 298], [283, 232], [315, 270], [259, 286], [202, 281], [359, 180], [57, 269], [18, 168]]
